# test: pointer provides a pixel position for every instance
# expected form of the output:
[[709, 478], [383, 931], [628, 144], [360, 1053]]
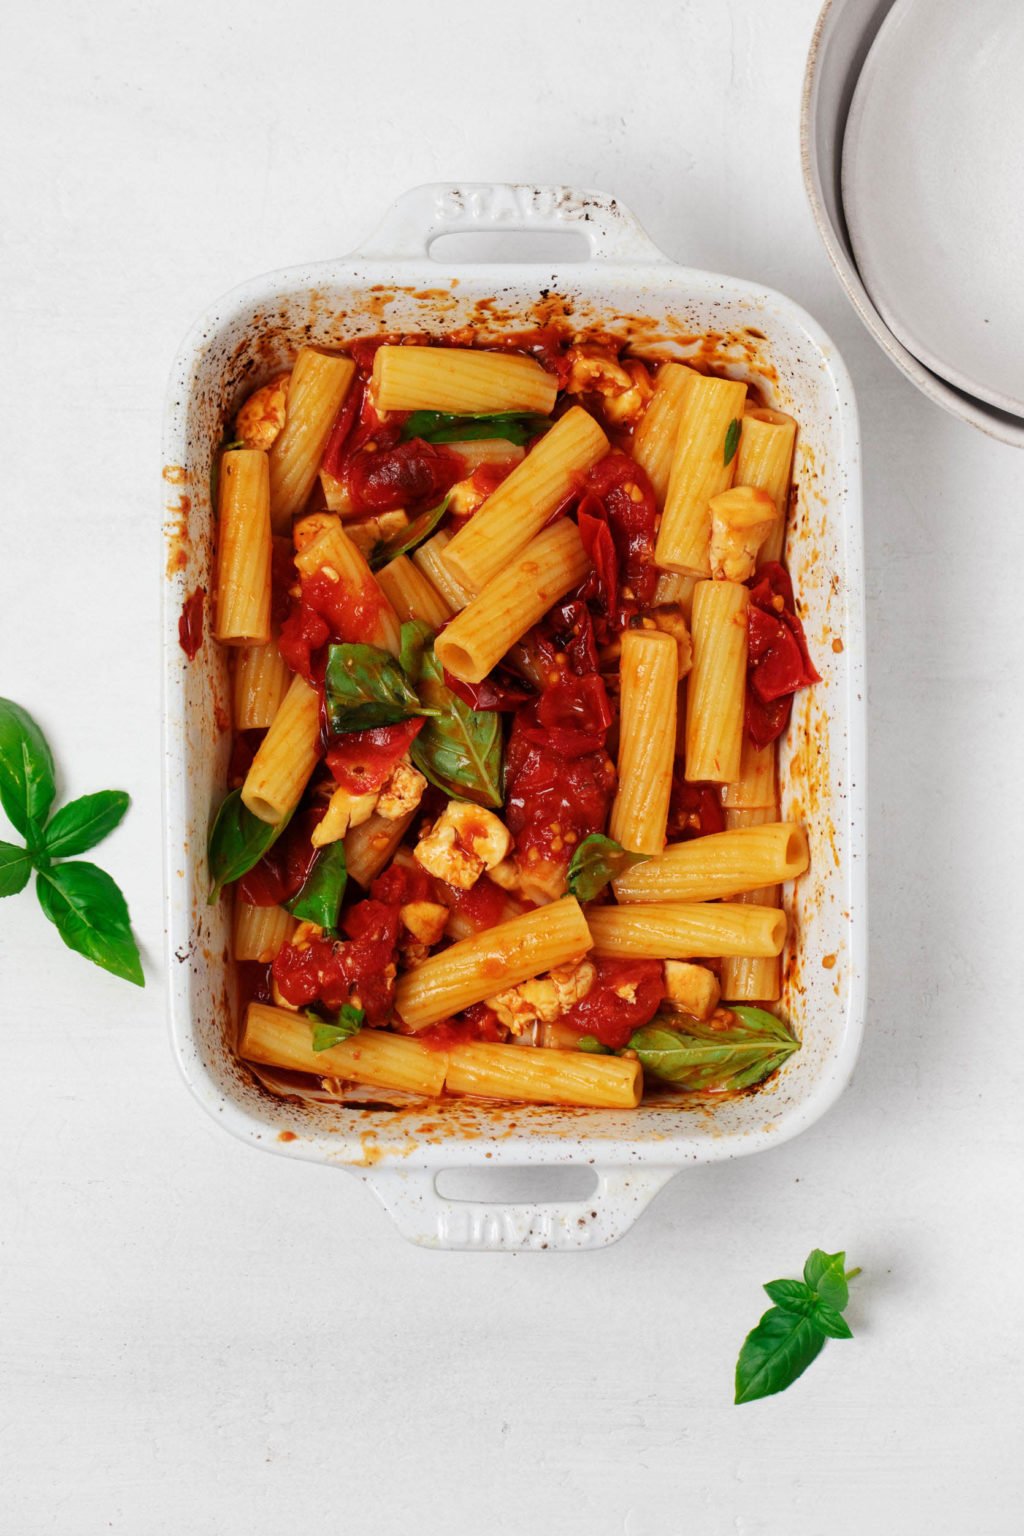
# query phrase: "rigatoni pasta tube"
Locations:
[[753, 979], [244, 549], [654, 441], [721, 864], [333, 553], [261, 682], [682, 931], [702, 466], [369, 846], [460, 379], [319, 383], [286, 757], [647, 740], [716, 687], [260, 932], [486, 450], [411, 593], [276, 1037], [765, 460], [429, 559], [756, 787], [517, 511], [545, 1076], [549, 567], [500, 957], [673, 588]]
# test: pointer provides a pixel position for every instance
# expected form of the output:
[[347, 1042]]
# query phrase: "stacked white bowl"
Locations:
[[912, 135]]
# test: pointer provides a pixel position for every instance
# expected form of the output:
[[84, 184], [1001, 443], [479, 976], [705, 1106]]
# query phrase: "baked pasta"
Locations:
[[512, 649]]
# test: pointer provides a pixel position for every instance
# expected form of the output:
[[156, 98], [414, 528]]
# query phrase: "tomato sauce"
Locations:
[[626, 995]]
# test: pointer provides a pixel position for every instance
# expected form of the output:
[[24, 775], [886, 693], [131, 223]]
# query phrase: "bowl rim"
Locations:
[[1001, 425]]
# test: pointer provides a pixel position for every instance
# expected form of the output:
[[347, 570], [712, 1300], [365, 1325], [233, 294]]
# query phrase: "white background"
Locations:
[[199, 1339]]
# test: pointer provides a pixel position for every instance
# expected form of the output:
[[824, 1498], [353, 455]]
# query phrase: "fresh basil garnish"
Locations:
[[596, 861], [732, 440], [348, 1023], [791, 1334], [27, 784], [82, 823], [592, 1044], [415, 636], [90, 914], [84, 904], [365, 687], [459, 750], [238, 840], [15, 868], [702, 1058], [319, 900], [442, 427], [419, 529]]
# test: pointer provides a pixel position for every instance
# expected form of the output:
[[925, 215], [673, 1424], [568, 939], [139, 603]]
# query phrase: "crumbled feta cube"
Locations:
[[463, 842], [691, 989], [261, 418], [401, 792], [741, 520], [344, 811]]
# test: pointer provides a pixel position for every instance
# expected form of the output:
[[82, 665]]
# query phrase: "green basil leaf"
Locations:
[[416, 635], [238, 840], [792, 1296], [348, 1023], [596, 861], [830, 1321], [419, 529], [592, 1044], [704, 1058], [732, 440], [84, 822], [319, 900], [365, 687], [775, 1353], [442, 427], [825, 1273], [15, 868], [460, 749], [91, 916], [27, 784]]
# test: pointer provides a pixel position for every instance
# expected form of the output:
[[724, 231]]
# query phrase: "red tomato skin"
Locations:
[[613, 1019]]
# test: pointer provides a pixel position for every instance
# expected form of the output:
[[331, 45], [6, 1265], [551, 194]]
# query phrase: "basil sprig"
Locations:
[[592, 1045], [349, 1022], [238, 840], [419, 529], [792, 1334], [704, 1058], [596, 861], [84, 904], [319, 900], [442, 427], [460, 748], [365, 687], [732, 440]]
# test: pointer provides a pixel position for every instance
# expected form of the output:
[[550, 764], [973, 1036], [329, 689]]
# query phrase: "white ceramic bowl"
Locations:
[[842, 39], [628, 287]]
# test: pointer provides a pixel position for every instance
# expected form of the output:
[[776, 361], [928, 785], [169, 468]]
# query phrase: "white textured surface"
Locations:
[[196, 1338]]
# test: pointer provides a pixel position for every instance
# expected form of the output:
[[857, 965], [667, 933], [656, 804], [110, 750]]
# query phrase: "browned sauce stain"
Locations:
[[190, 624], [287, 1136], [837, 646], [828, 961], [175, 474]]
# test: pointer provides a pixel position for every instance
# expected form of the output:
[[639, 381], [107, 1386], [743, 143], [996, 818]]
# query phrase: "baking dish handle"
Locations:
[[416, 219], [424, 1217]]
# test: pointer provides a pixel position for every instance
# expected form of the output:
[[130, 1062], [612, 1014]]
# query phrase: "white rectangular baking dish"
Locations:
[[629, 288]]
